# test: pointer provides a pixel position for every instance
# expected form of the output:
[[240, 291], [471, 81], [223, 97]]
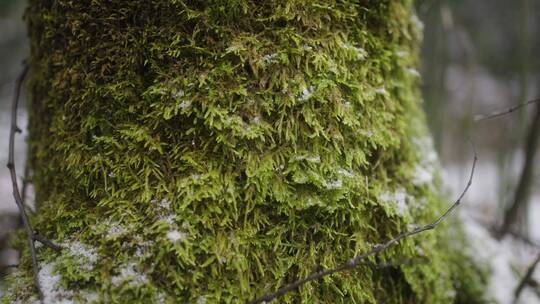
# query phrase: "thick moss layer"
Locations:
[[212, 151]]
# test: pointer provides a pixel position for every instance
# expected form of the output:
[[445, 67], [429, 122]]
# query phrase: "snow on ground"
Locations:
[[508, 258]]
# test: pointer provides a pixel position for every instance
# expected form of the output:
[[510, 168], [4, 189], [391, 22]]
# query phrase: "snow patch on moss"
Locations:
[[50, 286], [129, 275], [333, 184], [424, 170], [398, 199], [87, 256], [176, 236], [306, 93]]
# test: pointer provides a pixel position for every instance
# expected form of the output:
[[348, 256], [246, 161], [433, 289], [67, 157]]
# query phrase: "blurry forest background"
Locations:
[[477, 57]]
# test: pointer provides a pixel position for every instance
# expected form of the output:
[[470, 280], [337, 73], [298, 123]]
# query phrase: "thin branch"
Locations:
[[505, 111], [525, 280], [31, 235], [355, 261], [11, 165]]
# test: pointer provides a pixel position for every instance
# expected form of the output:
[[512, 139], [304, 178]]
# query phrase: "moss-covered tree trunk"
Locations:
[[212, 151]]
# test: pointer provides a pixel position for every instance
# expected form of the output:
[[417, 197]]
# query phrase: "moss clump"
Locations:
[[212, 151]]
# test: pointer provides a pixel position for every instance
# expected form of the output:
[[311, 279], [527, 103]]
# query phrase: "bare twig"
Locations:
[[11, 165], [505, 111], [525, 280], [31, 235], [355, 261]]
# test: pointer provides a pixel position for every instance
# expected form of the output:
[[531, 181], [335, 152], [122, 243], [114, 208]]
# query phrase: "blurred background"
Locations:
[[477, 57]]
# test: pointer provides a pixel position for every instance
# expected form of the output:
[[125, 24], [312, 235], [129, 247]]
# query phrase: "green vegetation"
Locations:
[[211, 151]]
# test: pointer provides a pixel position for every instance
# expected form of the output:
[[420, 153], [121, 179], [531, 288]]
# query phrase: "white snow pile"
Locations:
[[50, 286], [508, 260], [49, 279]]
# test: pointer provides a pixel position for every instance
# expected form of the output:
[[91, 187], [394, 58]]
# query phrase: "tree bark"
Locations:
[[521, 196], [213, 151]]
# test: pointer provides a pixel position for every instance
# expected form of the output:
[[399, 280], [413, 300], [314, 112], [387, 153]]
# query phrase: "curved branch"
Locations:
[[30, 233]]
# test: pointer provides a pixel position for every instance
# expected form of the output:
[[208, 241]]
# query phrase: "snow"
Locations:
[[87, 255], [116, 230], [50, 286], [507, 258], [398, 198], [413, 72], [422, 175], [306, 93], [402, 54], [169, 218], [345, 173], [311, 158], [185, 104], [176, 236], [361, 54], [270, 57], [128, 274], [381, 90], [417, 22], [306, 47], [256, 120], [502, 257], [427, 164], [178, 94], [367, 134], [334, 184]]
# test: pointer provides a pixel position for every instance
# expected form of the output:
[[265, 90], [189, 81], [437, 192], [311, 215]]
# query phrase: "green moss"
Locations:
[[216, 150]]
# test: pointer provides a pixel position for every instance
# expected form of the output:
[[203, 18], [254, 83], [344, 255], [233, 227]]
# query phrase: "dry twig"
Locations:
[[30, 233], [355, 261], [478, 118]]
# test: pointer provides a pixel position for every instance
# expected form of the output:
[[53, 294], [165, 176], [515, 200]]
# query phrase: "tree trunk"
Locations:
[[522, 193], [213, 151]]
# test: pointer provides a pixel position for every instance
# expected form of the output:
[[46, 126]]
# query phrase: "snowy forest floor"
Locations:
[[509, 257]]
